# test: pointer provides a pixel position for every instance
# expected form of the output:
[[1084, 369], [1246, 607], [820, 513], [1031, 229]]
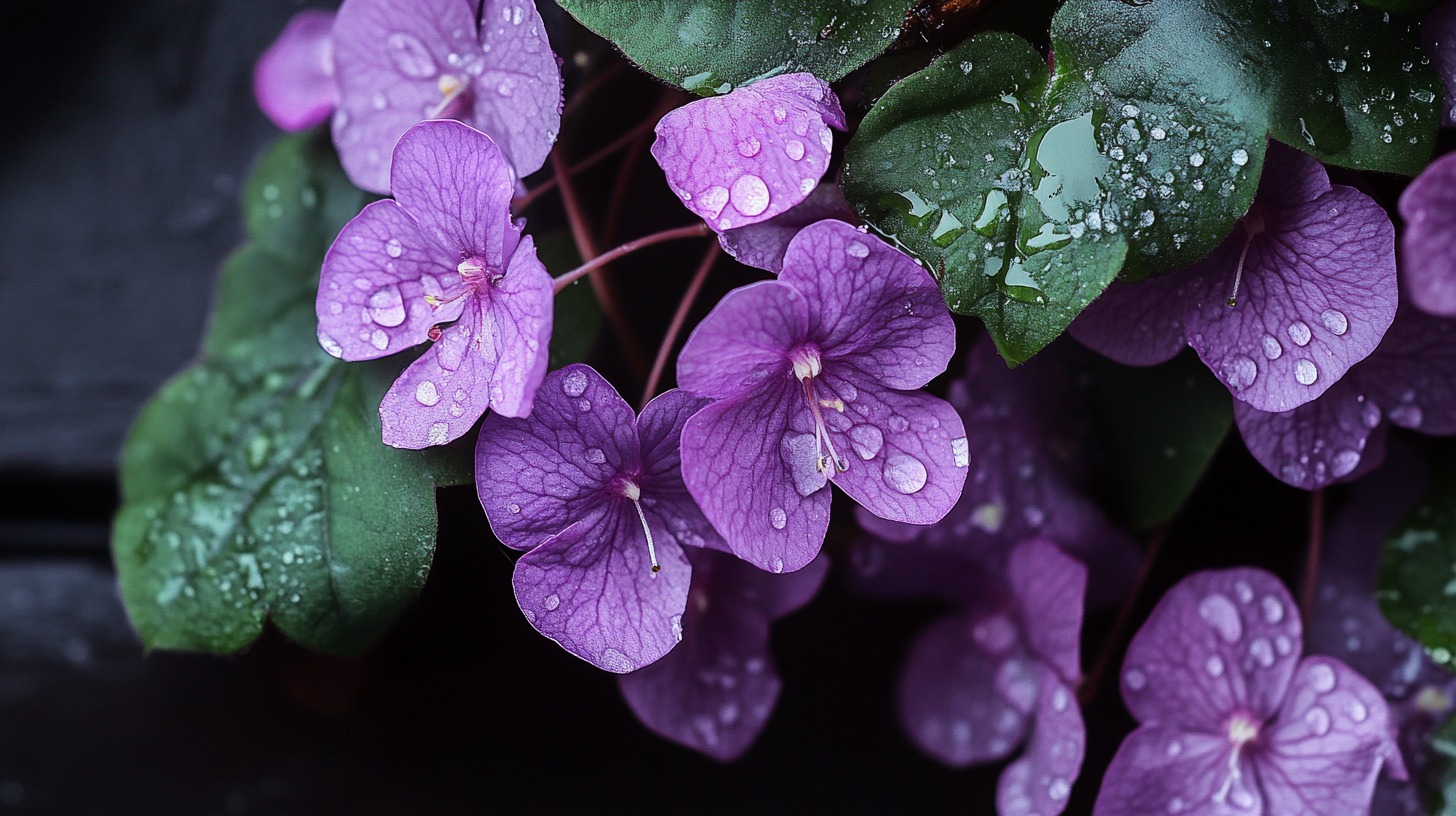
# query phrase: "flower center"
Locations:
[[807, 367], [472, 277], [1242, 730], [633, 493], [1253, 225], [453, 91]]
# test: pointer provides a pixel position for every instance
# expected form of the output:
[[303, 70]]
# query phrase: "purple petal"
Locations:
[[1137, 324], [400, 63], [1167, 770], [745, 341], [441, 395], [453, 180], [1049, 587], [748, 156], [1220, 642], [1428, 245], [870, 304], [519, 321], [751, 464], [1318, 288], [293, 80], [1325, 750], [1438, 38], [1335, 437], [660, 432], [763, 245], [715, 691], [1039, 782], [1412, 376], [371, 299], [906, 450], [538, 475], [968, 689], [592, 589]]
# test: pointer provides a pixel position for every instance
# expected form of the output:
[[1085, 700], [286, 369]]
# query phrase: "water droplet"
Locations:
[[1244, 591], [551, 602], [583, 405], [961, 450], [1219, 612], [1273, 609], [595, 456], [905, 473], [1335, 321], [1058, 790], [1214, 666], [614, 661], [574, 383], [1240, 372], [866, 440], [750, 195], [713, 200], [439, 433], [1318, 721], [794, 149], [777, 566], [426, 393], [778, 518], [1358, 711], [393, 248], [1306, 372], [1345, 461], [748, 148], [1196, 160], [1322, 677], [1299, 333], [330, 345], [1272, 349], [779, 114], [1262, 652], [857, 250], [513, 508], [1135, 680], [379, 339], [1130, 111], [386, 307], [1407, 416]]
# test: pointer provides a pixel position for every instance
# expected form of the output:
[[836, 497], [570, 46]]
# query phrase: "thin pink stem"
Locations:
[[524, 201], [1124, 616], [691, 231], [678, 319]]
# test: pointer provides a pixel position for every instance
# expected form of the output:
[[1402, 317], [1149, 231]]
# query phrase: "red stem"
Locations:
[[524, 201], [691, 231], [1312, 553], [678, 319], [1124, 616]]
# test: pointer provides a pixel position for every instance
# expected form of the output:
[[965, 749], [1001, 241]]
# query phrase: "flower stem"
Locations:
[[1312, 553], [691, 231], [1124, 615], [678, 319], [524, 201]]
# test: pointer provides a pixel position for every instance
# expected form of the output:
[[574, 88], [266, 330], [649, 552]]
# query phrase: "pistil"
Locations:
[[806, 367], [634, 494], [452, 92], [1253, 225], [1241, 732]]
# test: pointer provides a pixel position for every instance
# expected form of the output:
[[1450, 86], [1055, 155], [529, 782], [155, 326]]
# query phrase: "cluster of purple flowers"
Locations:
[[641, 530]]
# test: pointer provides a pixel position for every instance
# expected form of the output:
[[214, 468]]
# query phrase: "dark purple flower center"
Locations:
[[807, 366]]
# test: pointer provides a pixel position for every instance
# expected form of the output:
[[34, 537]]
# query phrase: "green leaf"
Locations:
[[254, 484], [297, 198], [1417, 590], [1439, 781], [711, 46], [1160, 427]]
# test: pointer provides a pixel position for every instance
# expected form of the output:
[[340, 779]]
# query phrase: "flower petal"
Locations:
[[592, 589], [750, 462], [441, 395], [1324, 752], [659, 429], [752, 154], [1412, 376], [745, 341], [293, 80], [763, 245], [1166, 770], [1438, 38], [870, 304], [906, 450], [518, 90], [968, 689], [1039, 782], [1338, 436], [1220, 642], [453, 180], [536, 476], [1050, 587], [519, 309], [371, 299], [1318, 288], [1137, 324], [1428, 244]]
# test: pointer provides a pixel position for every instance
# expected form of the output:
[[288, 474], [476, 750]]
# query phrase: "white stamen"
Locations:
[[634, 493], [1241, 732], [1252, 226], [806, 364]]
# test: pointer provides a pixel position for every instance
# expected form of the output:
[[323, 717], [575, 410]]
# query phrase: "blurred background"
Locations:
[[132, 130]]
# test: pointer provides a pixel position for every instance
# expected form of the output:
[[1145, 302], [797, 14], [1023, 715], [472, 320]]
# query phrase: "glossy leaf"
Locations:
[[1417, 590], [711, 46]]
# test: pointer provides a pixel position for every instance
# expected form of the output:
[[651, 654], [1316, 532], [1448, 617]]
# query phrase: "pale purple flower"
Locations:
[[444, 249], [763, 245], [1410, 381], [1428, 244], [402, 61], [751, 154], [1438, 38], [1303, 289], [714, 692], [1023, 453], [812, 374], [293, 80], [595, 495], [999, 672], [1232, 720]]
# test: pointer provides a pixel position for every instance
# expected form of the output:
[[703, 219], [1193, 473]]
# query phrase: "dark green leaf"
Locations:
[[711, 46], [298, 198], [1417, 589], [1160, 427]]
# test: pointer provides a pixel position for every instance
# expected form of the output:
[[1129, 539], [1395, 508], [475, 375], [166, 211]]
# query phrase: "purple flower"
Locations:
[[1428, 245], [1303, 289], [811, 373], [1410, 380], [1232, 719], [443, 250], [1438, 38], [748, 156], [293, 80], [401, 61], [595, 494], [714, 693], [1000, 671], [763, 245]]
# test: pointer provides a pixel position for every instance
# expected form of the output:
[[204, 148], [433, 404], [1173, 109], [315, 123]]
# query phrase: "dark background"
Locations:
[[131, 129]]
